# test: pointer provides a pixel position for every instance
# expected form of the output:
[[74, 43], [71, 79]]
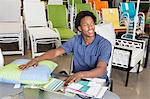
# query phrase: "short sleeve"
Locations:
[[105, 52], [68, 46]]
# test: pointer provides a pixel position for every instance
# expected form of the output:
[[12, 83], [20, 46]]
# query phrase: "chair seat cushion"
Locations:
[[10, 27], [65, 33], [42, 32], [33, 75], [136, 56]]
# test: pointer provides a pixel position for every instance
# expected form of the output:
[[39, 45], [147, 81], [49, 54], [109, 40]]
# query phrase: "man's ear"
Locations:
[[79, 28]]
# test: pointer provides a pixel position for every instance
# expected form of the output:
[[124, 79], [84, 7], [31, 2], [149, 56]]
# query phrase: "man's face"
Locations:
[[87, 26]]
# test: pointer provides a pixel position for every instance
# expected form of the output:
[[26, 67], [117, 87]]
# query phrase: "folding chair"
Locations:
[[37, 27], [11, 26], [128, 11], [60, 24], [111, 15]]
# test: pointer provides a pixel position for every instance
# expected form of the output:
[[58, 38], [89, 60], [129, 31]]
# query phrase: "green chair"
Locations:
[[75, 2], [86, 7], [148, 19], [58, 19]]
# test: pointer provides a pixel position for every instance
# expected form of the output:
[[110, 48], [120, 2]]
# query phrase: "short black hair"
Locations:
[[81, 15]]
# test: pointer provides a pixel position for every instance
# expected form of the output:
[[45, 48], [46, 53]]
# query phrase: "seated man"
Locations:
[[91, 51]]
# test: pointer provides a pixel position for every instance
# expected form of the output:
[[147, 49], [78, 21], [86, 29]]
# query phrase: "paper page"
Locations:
[[102, 92], [75, 86]]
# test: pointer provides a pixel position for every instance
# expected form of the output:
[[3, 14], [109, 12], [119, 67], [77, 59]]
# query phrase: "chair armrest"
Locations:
[[131, 43], [50, 25]]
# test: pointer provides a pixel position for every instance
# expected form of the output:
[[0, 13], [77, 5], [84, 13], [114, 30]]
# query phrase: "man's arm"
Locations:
[[48, 55], [97, 72]]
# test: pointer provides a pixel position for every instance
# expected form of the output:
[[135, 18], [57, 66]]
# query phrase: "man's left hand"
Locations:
[[73, 78]]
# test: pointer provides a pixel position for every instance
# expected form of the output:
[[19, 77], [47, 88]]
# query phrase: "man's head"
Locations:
[[85, 22], [81, 15]]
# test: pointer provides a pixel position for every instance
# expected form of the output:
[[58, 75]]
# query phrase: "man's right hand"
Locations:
[[31, 63]]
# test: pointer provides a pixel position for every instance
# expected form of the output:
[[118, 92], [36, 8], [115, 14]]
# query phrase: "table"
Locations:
[[8, 92]]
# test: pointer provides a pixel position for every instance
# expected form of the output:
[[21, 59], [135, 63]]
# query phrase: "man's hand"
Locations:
[[73, 78], [31, 63]]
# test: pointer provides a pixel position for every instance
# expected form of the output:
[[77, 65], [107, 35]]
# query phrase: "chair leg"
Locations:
[[111, 85], [138, 67], [127, 78]]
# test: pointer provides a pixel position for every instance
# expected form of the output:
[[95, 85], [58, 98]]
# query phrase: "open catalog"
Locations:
[[90, 88]]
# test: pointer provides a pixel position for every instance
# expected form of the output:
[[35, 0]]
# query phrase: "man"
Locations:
[[91, 51]]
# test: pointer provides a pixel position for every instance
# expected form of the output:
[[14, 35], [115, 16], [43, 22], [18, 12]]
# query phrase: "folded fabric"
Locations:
[[33, 75]]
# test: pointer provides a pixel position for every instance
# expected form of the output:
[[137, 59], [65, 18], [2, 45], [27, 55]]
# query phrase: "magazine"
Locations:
[[89, 88]]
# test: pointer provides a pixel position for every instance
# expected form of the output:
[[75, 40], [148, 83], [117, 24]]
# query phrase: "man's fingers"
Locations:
[[22, 67]]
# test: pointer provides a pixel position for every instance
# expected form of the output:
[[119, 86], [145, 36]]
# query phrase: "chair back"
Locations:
[[35, 15], [75, 2], [128, 7], [107, 31], [10, 10], [1, 59], [57, 14], [86, 7], [82, 7], [98, 5], [111, 15]]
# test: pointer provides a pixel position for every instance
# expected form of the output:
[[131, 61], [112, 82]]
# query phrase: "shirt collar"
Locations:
[[94, 42]]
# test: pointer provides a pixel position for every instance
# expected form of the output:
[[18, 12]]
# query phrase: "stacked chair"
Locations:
[[128, 11], [37, 27], [11, 26]]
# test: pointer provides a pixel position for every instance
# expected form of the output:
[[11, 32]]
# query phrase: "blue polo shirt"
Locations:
[[87, 57]]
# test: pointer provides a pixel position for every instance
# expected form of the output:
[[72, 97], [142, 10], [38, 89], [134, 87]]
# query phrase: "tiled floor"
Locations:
[[138, 86]]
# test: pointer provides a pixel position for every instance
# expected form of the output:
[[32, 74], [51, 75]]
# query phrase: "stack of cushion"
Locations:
[[33, 75]]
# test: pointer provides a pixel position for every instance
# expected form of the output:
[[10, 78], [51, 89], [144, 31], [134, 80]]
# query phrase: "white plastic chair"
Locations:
[[107, 31], [37, 28], [11, 26]]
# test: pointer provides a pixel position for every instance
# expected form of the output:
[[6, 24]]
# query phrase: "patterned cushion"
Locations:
[[33, 75]]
